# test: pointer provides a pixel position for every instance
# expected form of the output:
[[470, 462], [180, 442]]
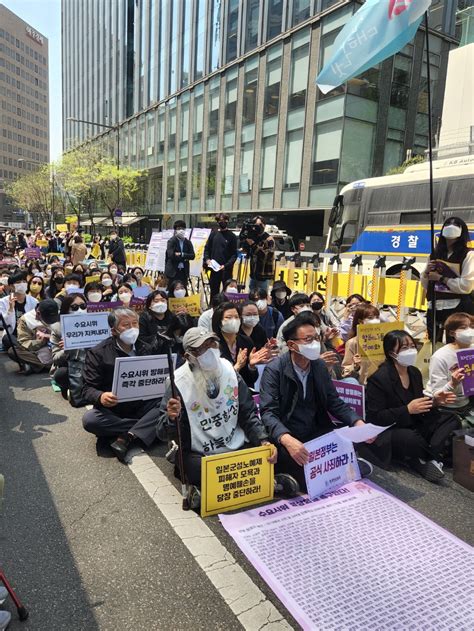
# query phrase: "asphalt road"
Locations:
[[85, 546]]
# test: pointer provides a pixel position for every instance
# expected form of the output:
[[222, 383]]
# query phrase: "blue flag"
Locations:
[[378, 30]]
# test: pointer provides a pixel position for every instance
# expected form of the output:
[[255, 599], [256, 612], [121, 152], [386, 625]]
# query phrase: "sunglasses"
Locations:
[[78, 307]]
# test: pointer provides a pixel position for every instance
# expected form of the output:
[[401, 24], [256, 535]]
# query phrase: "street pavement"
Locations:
[[86, 546]]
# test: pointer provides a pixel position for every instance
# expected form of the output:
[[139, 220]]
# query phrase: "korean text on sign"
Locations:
[[466, 362], [84, 330], [370, 338], [332, 463], [235, 480], [140, 378], [192, 304], [352, 394]]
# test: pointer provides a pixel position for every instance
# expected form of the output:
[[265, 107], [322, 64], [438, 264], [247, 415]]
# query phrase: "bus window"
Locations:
[[459, 195]]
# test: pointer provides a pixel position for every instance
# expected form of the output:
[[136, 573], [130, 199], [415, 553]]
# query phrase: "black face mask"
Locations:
[[317, 306], [223, 225], [259, 229], [59, 280]]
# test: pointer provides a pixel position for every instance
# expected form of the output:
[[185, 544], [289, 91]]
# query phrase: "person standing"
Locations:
[[179, 251], [117, 250], [261, 251], [220, 249], [78, 250]]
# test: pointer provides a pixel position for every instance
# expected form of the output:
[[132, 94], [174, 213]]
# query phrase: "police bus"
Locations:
[[391, 215]]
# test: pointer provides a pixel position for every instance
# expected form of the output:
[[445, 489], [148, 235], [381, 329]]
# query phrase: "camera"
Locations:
[[250, 230]]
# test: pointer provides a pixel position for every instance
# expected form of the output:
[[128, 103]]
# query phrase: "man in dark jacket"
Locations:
[[296, 397], [221, 249], [110, 419], [117, 250], [210, 423], [260, 247], [179, 251]]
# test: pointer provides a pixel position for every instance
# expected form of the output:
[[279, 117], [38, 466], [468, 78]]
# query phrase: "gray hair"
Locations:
[[122, 312]]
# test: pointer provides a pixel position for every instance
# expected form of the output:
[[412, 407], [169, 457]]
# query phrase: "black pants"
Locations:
[[61, 377], [216, 278], [104, 423], [466, 305]]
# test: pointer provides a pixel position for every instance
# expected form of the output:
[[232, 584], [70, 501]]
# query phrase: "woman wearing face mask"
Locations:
[[68, 365], [176, 289], [114, 273], [124, 294], [235, 346], [33, 269], [270, 318], [142, 289], [156, 318], [56, 283], [93, 292], [280, 294], [36, 287], [251, 326], [15, 304], [316, 300], [419, 431], [109, 287], [451, 270], [445, 374], [230, 286], [352, 364], [345, 325]]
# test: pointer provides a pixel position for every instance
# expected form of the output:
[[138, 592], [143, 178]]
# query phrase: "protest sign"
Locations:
[[140, 378], [237, 298], [352, 394], [236, 479], [94, 278], [370, 338], [306, 550], [61, 227], [141, 292], [332, 462], [81, 330], [95, 307], [466, 362], [32, 253], [192, 304], [42, 243], [151, 262], [199, 239], [137, 304]]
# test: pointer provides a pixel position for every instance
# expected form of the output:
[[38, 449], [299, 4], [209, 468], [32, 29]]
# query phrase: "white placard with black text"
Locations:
[[140, 378], [84, 330]]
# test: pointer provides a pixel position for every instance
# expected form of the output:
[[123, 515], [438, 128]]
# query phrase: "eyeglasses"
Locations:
[[307, 340], [78, 307]]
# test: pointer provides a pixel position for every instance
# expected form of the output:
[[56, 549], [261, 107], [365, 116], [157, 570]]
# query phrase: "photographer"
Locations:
[[260, 248]]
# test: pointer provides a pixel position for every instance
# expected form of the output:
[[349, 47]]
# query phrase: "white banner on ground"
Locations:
[[199, 238], [358, 559], [84, 330], [140, 378]]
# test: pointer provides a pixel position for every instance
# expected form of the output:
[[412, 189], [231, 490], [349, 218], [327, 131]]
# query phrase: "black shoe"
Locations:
[[430, 470], [365, 468], [286, 485], [194, 498], [64, 394], [121, 445]]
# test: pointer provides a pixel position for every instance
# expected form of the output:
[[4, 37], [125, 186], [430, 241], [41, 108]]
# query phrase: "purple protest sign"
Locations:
[[33, 253], [137, 304], [352, 394], [237, 298], [466, 362], [93, 307]]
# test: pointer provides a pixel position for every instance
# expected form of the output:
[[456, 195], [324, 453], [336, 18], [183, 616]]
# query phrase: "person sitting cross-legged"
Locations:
[[214, 408], [296, 397], [125, 422]]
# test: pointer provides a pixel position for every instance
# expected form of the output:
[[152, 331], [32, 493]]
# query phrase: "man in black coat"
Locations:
[[179, 251], [296, 397], [126, 421], [117, 250], [221, 248]]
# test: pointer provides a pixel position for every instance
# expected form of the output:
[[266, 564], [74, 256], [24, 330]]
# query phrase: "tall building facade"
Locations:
[[217, 100], [24, 104]]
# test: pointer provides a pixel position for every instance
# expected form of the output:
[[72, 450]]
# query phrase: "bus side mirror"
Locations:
[[335, 211]]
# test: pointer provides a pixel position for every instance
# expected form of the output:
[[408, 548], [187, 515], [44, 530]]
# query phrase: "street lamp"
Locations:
[[116, 127], [51, 175]]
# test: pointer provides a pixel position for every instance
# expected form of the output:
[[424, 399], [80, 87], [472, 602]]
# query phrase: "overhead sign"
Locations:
[[140, 378], [235, 480], [83, 330]]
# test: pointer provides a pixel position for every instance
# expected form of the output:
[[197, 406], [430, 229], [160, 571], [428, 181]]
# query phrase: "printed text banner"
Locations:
[[466, 362], [191, 303], [140, 378], [370, 338], [84, 330], [235, 480]]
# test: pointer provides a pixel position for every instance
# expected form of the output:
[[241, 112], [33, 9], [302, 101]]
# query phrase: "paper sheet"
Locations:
[[214, 265], [361, 433]]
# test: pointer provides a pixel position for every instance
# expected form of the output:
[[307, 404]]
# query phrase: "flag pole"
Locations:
[[430, 157]]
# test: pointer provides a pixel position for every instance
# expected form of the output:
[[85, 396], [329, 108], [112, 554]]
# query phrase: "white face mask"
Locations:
[[231, 326], [180, 234], [451, 231], [20, 288], [372, 321], [250, 320], [125, 297], [107, 282], [262, 305], [310, 351], [209, 361], [113, 272], [180, 293], [231, 290], [159, 307], [71, 289], [407, 357], [304, 308], [280, 294], [94, 296], [4, 280], [465, 336], [129, 336]]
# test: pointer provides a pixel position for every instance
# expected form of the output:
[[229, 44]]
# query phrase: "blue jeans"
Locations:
[[259, 284]]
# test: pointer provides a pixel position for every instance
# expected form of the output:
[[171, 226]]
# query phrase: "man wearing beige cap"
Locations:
[[214, 407]]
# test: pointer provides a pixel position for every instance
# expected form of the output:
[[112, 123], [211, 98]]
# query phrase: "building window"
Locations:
[[272, 87], [293, 158], [246, 167], [215, 43], [174, 47], [230, 102], [186, 43], [250, 91], [267, 177], [401, 81], [198, 118], [274, 18], [232, 30], [357, 150], [211, 179], [253, 14], [326, 153], [183, 178], [228, 171], [299, 77], [301, 11], [214, 99], [200, 40]]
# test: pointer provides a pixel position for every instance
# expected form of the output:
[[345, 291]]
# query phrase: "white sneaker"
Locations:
[[5, 617], [3, 594], [431, 470]]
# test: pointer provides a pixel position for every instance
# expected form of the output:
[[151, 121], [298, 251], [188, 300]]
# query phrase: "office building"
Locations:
[[217, 100], [24, 105]]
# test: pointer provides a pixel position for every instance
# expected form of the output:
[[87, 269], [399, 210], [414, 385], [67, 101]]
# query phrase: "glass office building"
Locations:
[[217, 101]]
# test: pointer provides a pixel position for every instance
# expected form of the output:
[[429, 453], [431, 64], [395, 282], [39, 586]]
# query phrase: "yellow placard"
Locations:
[[93, 279], [61, 227], [236, 480], [42, 243], [71, 218], [192, 304], [370, 338]]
